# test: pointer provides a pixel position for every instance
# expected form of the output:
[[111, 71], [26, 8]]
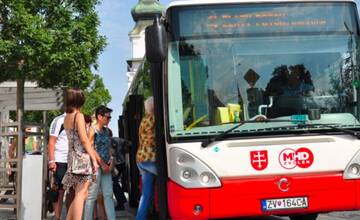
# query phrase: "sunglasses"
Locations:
[[108, 117]]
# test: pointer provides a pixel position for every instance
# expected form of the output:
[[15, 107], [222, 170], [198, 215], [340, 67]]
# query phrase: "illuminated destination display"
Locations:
[[274, 18], [229, 21]]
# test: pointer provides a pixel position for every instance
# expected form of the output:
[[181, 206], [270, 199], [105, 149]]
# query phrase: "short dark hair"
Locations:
[[87, 119], [74, 98], [102, 110]]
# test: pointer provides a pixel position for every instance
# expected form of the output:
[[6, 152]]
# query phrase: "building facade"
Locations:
[[143, 13]]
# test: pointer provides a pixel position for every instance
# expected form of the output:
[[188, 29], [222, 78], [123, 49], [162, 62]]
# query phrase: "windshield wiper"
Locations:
[[299, 125], [225, 133]]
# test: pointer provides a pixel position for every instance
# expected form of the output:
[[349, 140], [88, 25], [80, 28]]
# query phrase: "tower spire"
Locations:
[[143, 14], [146, 9]]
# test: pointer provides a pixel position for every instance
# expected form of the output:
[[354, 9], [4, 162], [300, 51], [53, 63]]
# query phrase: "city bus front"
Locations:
[[262, 108]]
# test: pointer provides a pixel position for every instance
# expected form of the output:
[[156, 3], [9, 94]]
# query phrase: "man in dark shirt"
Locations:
[[119, 145]]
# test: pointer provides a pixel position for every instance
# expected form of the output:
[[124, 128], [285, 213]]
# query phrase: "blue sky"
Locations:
[[116, 22]]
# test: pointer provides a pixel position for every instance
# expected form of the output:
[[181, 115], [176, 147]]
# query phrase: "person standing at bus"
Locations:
[[145, 158], [82, 161], [100, 135], [119, 145], [58, 147]]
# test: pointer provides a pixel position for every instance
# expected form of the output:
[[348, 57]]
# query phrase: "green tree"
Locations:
[[96, 94], [51, 42], [54, 43]]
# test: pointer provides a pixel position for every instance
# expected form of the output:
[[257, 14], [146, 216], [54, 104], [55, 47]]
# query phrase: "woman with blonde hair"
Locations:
[[146, 157], [82, 157]]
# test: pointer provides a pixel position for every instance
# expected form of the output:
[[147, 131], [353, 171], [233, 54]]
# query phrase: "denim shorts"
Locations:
[[59, 173]]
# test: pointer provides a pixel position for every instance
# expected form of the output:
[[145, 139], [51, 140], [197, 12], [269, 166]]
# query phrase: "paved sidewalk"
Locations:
[[127, 214]]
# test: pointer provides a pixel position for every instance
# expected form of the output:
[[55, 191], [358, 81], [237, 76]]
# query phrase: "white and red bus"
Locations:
[[257, 108]]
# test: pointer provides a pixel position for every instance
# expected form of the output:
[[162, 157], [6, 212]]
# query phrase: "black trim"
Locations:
[[173, 11], [161, 158], [133, 115], [263, 34], [246, 136]]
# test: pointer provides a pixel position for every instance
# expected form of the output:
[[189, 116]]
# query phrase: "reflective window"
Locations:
[[224, 75]]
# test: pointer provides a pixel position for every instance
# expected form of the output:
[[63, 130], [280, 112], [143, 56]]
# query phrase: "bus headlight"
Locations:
[[352, 170], [190, 172], [186, 174], [205, 178]]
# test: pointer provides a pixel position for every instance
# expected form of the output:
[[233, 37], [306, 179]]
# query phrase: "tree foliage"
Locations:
[[96, 94], [52, 42]]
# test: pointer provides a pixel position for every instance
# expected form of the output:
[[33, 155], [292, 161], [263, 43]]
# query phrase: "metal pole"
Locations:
[[20, 119], [45, 162]]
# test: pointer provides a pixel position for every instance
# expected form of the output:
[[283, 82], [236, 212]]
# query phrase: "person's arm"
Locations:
[[10, 155], [54, 131], [35, 144], [12, 149], [51, 152], [80, 126], [112, 160]]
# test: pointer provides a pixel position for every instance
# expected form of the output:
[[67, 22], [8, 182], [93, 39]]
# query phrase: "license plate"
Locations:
[[284, 203]]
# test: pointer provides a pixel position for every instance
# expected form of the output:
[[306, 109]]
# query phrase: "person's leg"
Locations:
[[123, 177], [96, 207], [58, 204], [93, 192], [146, 195], [118, 190], [101, 207], [107, 190], [121, 169], [76, 208], [58, 176], [69, 198]]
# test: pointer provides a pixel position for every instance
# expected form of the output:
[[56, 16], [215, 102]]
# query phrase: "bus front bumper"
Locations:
[[244, 197]]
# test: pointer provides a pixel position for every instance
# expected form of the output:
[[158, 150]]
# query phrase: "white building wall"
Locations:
[[138, 45], [138, 52]]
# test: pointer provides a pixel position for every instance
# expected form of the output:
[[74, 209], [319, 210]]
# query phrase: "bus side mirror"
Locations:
[[155, 41]]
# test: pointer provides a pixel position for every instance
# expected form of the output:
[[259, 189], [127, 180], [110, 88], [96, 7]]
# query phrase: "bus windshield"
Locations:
[[237, 62]]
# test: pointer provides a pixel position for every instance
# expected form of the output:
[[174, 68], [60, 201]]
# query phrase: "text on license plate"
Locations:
[[284, 203]]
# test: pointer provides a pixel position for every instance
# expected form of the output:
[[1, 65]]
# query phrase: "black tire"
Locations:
[[304, 217]]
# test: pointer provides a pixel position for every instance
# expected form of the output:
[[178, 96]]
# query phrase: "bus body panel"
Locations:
[[251, 169], [243, 186], [242, 197], [181, 202], [274, 156], [326, 192]]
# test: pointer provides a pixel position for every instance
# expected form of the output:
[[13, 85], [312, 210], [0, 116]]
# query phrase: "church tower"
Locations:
[[143, 13]]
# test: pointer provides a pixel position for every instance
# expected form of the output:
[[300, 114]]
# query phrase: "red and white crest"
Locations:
[[259, 159]]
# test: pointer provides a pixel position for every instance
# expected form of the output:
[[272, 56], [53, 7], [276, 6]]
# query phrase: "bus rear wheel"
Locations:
[[304, 217]]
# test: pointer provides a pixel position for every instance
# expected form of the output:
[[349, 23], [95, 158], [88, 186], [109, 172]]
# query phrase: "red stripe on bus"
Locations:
[[242, 197]]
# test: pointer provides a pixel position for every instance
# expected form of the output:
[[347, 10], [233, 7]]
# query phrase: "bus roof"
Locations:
[[214, 2]]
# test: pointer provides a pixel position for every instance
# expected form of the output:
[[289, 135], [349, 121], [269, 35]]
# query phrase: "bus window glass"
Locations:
[[235, 62]]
